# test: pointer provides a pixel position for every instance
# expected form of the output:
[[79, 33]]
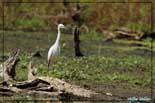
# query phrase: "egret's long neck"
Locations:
[[58, 36]]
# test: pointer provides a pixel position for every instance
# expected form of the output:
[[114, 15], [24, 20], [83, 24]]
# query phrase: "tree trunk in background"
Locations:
[[66, 3], [76, 33], [76, 17]]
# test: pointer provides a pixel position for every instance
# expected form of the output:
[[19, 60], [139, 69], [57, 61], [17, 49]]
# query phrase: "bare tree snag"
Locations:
[[76, 33], [75, 14], [7, 69]]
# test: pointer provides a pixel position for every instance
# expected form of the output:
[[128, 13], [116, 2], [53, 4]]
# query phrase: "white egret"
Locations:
[[54, 50]]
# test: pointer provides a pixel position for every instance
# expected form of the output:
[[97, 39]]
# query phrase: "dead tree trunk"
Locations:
[[66, 3], [78, 19], [76, 33], [7, 69], [75, 14]]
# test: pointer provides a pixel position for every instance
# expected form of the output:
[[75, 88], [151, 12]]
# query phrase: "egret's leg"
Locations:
[[53, 62], [49, 63]]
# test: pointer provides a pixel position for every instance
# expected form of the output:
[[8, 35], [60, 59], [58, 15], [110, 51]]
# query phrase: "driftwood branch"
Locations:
[[7, 69], [32, 71]]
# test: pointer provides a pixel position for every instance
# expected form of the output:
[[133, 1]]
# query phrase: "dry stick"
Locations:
[[32, 71]]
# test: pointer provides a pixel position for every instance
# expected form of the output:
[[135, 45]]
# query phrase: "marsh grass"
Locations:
[[130, 69]]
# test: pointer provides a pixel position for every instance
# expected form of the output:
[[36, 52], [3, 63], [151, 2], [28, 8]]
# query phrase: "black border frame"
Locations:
[[152, 27]]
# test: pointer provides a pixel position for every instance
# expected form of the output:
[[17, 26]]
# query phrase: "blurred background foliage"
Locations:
[[95, 16]]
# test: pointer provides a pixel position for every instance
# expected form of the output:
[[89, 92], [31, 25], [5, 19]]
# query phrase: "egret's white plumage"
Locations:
[[54, 50]]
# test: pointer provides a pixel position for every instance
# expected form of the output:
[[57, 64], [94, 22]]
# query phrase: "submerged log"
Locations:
[[7, 69]]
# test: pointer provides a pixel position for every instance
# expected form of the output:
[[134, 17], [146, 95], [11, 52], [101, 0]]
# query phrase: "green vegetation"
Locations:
[[93, 68]]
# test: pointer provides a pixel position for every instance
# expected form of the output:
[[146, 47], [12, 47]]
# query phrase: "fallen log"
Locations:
[[64, 87], [122, 33], [54, 84], [5, 91], [50, 87], [31, 84]]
